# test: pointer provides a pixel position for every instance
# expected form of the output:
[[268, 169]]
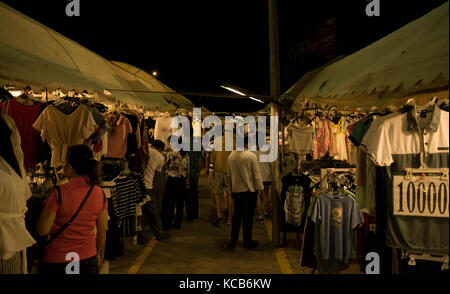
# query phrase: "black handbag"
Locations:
[[42, 242]]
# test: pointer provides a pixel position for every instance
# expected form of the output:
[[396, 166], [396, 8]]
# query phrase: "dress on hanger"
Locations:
[[322, 142], [341, 143]]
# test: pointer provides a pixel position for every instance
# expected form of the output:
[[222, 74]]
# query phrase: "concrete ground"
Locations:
[[201, 248]]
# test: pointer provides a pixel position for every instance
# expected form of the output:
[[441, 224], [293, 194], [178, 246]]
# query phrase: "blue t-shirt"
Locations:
[[337, 217]]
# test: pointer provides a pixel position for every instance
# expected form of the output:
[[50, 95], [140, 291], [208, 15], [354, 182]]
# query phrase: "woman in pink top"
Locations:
[[86, 235]]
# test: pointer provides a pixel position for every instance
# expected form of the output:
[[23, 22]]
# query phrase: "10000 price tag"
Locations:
[[427, 197]]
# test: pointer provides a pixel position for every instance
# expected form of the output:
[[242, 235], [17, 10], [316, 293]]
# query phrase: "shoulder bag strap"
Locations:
[[73, 217]]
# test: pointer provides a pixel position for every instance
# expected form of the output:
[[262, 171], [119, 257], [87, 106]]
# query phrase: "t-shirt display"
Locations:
[[397, 143], [302, 138], [62, 131], [118, 138], [24, 116], [295, 198], [337, 217]]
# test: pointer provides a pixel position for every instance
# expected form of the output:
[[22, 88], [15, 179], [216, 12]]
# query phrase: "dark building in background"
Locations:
[[318, 47], [313, 33]]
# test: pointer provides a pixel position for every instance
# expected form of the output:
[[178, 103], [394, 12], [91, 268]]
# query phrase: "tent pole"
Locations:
[[275, 94]]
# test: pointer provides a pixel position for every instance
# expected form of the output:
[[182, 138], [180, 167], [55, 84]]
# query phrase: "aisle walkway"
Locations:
[[201, 248]]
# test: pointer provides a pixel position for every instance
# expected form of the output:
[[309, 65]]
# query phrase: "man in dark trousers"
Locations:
[[150, 210], [246, 182]]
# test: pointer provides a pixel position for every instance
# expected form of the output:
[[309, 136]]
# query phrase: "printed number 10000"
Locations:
[[427, 198]]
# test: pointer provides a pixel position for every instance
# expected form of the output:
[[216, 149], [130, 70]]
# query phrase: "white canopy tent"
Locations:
[[148, 87], [33, 54], [412, 62]]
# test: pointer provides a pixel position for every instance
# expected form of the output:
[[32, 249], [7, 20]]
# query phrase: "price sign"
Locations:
[[427, 197]]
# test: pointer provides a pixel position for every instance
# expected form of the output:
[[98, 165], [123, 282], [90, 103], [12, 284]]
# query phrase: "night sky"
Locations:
[[196, 46]]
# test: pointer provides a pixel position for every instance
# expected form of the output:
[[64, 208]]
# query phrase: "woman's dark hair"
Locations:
[[158, 144], [81, 158]]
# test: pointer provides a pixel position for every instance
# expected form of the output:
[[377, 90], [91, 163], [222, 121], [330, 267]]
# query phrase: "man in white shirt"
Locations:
[[246, 181], [150, 210]]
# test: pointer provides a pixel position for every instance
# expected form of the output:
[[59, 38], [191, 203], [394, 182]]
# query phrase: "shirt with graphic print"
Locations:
[[177, 165], [295, 198], [337, 217]]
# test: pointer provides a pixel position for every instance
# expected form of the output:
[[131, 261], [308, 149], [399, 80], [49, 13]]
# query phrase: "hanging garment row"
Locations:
[[387, 146], [128, 136], [24, 116], [330, 236], [66, 121], [323, 137], [69, 121]]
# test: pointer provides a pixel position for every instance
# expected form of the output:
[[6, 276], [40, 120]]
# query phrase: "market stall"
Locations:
[[60, 94], [372, 127]]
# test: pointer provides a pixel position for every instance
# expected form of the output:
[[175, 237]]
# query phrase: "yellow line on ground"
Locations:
[[279, 253], [142, 257]]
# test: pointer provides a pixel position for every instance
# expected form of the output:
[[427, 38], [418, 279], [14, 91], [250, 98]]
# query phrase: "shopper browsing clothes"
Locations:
[[86, 234], [246, 181], [177, 169], [264, 204], [150, 210], [220, 182]]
